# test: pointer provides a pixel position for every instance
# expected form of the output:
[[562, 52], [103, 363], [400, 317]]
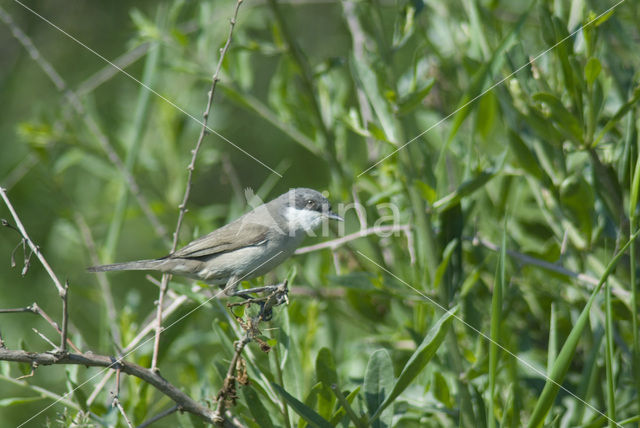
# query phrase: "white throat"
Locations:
[[299, 220]]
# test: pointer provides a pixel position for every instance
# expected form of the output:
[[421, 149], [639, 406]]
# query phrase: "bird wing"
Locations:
[[228, 238]]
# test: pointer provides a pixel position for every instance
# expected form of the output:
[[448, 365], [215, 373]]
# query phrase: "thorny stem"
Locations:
[[190, 168]]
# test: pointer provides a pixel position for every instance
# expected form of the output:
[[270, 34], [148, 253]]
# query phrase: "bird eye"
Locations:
[[310, 203]]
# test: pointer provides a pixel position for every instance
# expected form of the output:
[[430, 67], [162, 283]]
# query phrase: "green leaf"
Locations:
[[482, 76], [446, 257], [592, 70], [252, 103], [6, 402], [378, 381], [578, 198], [368, 81], [624, 109], [527, 160], [409, 102], [301, 409], [441, 390], [326, 368], [566, 121], [487, 113], [420, 358], [565, 357], [496, 320], [428, 193], [257, 409], [341, 412], [465, 189]]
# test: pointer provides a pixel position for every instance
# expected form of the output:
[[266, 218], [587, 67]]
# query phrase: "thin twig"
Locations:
[[338, 242], [149, 327], [65, 318], [16, 174], [105, 287], [190, 168], [94, 360], [34, 366], [228, 394], [116, 403], [45, 338], [553, 267], [91, 124], [37, 310], [25, 236], [159, 416], [108, 71]]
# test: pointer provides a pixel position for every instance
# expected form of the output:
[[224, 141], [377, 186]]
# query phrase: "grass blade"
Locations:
[[419, 359], [496, 320], [561, 365], [305, 412]]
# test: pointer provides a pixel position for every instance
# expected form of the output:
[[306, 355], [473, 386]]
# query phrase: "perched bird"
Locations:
[[248, 247]]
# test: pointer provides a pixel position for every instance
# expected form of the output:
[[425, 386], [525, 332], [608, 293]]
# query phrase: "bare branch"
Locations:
[[105, 287], [159, 416], [65, 319], [25, 236], [554, 267], [237, 371], [116, 403], [45, 338], [190, 168], [338, 242], [37, 310], [185, 402]]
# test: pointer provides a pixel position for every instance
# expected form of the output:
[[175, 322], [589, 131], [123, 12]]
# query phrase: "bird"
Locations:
[[246, 248]]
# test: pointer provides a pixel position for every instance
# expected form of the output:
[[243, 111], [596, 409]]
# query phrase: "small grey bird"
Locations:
[[248, 247]]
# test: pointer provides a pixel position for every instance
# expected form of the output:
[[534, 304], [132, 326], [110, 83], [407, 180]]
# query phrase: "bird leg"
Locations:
[[244, 293], [277, 295]]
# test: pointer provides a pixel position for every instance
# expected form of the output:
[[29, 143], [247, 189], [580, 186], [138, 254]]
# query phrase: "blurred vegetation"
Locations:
[[544, 166]]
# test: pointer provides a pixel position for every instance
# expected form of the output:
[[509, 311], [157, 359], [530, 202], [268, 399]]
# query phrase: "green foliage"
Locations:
[[503, 135]]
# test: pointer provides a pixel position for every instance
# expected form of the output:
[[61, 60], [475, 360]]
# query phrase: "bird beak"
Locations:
[[334, 216]]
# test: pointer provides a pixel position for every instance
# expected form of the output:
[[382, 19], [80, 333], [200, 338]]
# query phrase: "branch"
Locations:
[[25, 236], [620, 292], [105, 287], [185, 402], [338, 242], [159, 416], [65, 319], [237, 370], [191, 167], [37, 310]]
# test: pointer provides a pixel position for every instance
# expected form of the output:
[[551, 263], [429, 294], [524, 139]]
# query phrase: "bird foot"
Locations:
[[274, 295]]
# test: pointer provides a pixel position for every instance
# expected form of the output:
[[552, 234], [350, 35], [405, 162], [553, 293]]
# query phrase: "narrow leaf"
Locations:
[[562, 363], [378, 381], [465, 189], [419, 359], [306, 413]]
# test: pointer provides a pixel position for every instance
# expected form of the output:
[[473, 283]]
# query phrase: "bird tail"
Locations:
[[137, 265]]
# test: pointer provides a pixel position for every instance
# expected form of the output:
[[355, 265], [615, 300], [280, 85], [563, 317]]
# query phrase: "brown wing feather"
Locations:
[[228, 238]]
